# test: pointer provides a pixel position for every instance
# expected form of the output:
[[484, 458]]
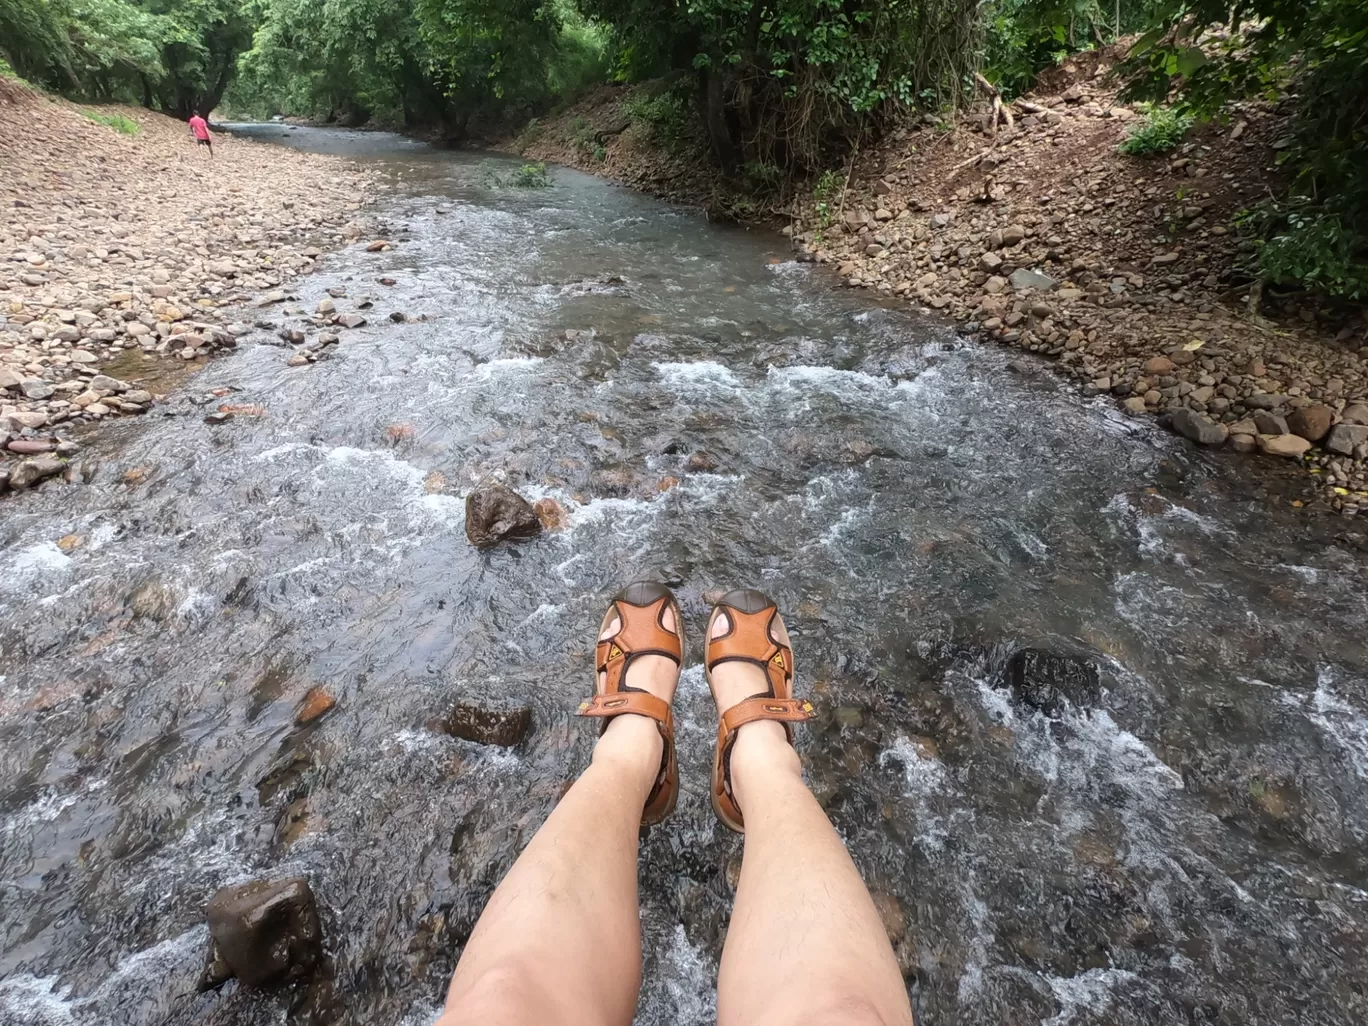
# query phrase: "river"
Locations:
[[1183, 844]]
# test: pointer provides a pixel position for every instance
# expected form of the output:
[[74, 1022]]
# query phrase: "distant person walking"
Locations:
[[200, 129]]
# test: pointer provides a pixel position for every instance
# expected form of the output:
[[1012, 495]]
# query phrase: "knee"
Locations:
[[505, 991], [844, 1010]]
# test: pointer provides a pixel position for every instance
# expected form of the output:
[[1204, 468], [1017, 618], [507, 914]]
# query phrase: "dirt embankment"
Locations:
[[124, 247], [1040, 235]]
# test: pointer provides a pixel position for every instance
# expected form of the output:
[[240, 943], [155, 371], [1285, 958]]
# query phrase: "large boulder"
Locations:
[[1346, 438], [495, 512], [264, 932], [1311, 422]]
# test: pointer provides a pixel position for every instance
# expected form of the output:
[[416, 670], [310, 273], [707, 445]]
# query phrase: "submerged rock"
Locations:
[[264, 932], [495, 512], [1050, 680], [1199, 429], [30, 472], [503, 725]]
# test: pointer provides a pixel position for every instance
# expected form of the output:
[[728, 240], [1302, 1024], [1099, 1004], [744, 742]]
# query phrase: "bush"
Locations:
[[666, 114], [1308, 244], [1162, 130], [120, 124], [531, 176]]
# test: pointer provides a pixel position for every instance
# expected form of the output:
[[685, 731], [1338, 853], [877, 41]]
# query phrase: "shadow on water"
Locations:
[[1182, 843]]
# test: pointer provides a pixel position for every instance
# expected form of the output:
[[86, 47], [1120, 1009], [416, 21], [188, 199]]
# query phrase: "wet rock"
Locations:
[[378, 246], [485, 724], [891, 914], [1192, 425], [495, 512], [1049, 681], [262, 933], [1345, 438], [1311, 422], [1283, 445], [551, 513], [219, 417], [31, 472], [700, 463], [351, 320], [317, 701]]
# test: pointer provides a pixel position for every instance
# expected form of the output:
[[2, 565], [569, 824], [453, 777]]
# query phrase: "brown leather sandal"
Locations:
[[751, 615], [640, 609]]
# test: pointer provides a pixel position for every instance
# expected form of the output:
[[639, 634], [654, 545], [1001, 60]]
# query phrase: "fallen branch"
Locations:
[[999, 109]]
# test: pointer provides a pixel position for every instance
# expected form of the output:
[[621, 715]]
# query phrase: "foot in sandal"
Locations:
[[749, 664], [637, 660]]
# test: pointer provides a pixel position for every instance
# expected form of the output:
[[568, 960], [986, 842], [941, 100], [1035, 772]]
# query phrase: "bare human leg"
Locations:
[[806, 944], [560, 940]]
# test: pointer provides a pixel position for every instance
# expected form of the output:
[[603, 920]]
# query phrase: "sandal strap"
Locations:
[[762, 707], [748, 641], [640, 632], [639, 703]]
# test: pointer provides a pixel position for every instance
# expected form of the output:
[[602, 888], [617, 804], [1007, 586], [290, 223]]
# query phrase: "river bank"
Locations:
[[128, 256], [1035, 233]]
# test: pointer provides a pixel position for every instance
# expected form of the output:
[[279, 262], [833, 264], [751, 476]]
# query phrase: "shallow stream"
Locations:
[[1186, 845]]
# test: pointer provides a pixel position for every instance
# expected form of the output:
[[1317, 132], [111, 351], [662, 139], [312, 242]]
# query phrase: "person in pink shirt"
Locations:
[[200, 129]]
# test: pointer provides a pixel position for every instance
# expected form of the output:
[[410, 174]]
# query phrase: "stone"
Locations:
[[218, 417], [82, 356], [326, 306], [891, 914], [1135, 404], [1024, 278], [1243, 443], [1052, 681], [1357, 413], [990, 262], [1344, 438], [1311, 422], [495, 512], [9, 378], [377, 246], [551, 513], [1158, 365], [264, 932], [37, 388], [1192, 425], [298, 360], [31, 472], [317, 701], [1262, 401], [1269, 423], [1013, 234], [1282, 445], [1244, 427], [104, 383], [504, 725], [27, 418], [351, 320], [31, 446]]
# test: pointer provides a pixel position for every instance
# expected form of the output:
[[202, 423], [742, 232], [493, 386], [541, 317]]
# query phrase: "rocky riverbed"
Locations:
[[125, 255], [1035, 233]]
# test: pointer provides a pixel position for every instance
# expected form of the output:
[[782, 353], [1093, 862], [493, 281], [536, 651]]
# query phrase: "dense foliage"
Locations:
[[1312, 55], [777, 88]]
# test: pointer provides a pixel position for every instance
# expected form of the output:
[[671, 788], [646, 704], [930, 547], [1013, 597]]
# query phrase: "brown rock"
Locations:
[[552, 514], [30, 472], [317, 701], [1283, 445], [502, 725], [263, 933], [891, 914], [495, 512], [1311, 422], [1159, 365], [378, 246]]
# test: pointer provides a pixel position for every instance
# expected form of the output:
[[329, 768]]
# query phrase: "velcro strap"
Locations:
[[785, 710], [639, 703]]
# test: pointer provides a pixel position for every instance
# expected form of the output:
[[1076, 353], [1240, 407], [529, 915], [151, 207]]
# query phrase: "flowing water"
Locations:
[[1183, 845]]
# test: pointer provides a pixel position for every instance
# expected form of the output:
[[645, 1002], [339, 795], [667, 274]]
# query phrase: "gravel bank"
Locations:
[[131, 251]]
